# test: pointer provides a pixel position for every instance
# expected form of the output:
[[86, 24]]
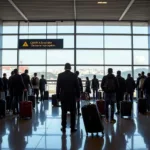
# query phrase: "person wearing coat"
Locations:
[[68, 91]]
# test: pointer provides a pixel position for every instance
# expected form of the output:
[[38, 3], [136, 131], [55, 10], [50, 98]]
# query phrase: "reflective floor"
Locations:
[[43, 132]]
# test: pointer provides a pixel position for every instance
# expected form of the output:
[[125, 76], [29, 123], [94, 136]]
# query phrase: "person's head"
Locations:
[[148, 75], [42, 76], [118, 73], [94, 76], [142, 73], [129, 75], [110, 70], [26, 71], [4, 75], [87, 78], [12, 73], [77, 73], [15, 71], [35, 74], [139, 75], [67, 66]]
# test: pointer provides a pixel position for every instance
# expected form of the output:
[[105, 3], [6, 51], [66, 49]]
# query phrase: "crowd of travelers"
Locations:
[[69, 91], [18, 86]]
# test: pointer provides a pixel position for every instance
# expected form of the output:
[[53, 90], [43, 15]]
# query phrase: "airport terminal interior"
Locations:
[[91, 35]]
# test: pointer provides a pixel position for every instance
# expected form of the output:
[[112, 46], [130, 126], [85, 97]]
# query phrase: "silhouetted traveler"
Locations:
[[18, 88], [5, 83], [10, 88], [68, 91], [141, 84], [88, 86], [43, 83], [81, 91], [146, 88], [35, 85], [137, 85], [109, 86], [27, 83], [95, 87], [120, 90], [130, 87]]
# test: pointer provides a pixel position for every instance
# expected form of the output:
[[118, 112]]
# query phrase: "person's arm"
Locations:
[[58, 87]]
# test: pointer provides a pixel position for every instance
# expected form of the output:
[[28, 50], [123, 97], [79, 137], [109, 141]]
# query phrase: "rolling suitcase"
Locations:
[[126, 108], [100, 104], [54, 100], [32, 99], [46, 95], [25, 109], [142, 105], [92, 120]]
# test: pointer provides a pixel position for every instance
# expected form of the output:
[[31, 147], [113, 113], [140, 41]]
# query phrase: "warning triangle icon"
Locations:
[[25, 44]]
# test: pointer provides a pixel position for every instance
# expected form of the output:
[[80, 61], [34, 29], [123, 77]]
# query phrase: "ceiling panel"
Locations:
[[64, 10]]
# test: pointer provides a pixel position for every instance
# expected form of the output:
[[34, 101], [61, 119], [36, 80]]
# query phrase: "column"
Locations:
[[149, 46], [1, 28]]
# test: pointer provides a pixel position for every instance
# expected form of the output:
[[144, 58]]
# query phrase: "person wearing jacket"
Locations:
[[18, 87], [43, 84], [137, 85], [87, 88], [120, 91], [109, 85], [146, 88], [27, 82], [68, 92], [130, 87], [35, 85], [5, 83], [141, 84], [95, 87], [81, 91]]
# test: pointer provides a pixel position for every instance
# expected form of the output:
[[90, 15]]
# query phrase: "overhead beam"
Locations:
[[18, 10], [75, 10], [127, 9]]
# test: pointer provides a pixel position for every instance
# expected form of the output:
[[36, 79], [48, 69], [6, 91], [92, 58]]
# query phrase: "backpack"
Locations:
[[34, 81], [141, 83], [110, 85]]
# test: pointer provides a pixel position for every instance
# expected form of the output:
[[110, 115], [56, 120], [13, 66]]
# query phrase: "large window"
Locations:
[[95, 47]]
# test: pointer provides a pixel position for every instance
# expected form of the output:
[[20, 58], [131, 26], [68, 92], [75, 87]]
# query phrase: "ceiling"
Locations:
[[70, 9]]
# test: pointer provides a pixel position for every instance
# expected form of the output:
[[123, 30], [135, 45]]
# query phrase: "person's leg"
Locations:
[[118, 102], [148, 101], [113, 99], [73, 120], [41, 93], [93, 94], [64, 119], [96, 93], [131, 97], [78, 107]]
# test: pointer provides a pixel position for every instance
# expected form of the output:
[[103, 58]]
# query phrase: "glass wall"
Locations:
[[91, 47]]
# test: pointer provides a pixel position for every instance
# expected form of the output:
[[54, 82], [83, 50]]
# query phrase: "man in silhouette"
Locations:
[[81, 91], [68, 91], [18, 88], [95, 87], [120, 91], [27, 82]]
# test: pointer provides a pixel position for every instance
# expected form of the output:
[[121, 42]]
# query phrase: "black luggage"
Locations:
[[92, 119], [54, 100], [2, 108], [32, 99], [126, 108], [46, 95], [142, 105]]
